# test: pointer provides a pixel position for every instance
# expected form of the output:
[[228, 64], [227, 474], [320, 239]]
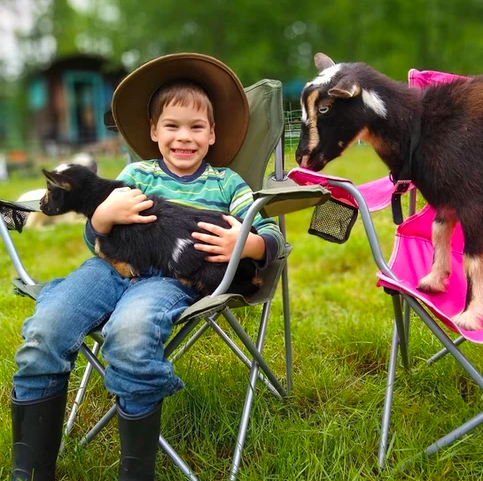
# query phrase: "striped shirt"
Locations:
[[212, 188]]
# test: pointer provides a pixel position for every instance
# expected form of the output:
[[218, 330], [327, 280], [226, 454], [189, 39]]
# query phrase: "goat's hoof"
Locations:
[[432, 284], [468, 320]]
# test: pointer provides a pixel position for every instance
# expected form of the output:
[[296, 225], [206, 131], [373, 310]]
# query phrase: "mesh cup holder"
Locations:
[[333, 221], [14, 217]]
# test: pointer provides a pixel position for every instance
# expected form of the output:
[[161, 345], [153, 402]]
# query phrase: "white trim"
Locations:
[[326, 75]]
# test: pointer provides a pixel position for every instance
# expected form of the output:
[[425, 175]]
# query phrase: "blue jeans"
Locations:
[[140, 313]]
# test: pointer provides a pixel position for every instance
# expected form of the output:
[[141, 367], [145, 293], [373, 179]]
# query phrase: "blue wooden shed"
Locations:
[[67, 100]]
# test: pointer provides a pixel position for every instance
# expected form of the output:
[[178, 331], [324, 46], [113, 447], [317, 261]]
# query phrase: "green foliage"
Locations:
[[329, 427], [260, 38]]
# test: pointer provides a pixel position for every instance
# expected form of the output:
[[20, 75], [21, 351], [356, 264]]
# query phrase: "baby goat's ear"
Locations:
[[58, 180]]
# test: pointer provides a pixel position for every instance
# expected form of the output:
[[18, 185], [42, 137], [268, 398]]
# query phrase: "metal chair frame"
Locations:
[[403, 303]]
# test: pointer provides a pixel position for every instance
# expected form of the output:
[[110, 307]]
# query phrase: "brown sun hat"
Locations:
[[130, 103]]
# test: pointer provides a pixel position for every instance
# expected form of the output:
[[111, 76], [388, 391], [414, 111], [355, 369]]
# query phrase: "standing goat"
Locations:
[[434, 138], [165, 244]]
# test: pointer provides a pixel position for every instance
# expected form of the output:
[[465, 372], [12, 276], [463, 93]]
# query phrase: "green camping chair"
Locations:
[[274, 196]]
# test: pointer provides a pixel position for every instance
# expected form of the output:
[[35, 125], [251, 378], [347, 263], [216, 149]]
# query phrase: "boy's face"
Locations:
[[183, 135]]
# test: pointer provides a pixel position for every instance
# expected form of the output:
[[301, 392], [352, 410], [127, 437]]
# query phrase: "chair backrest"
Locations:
[[264, 131], [424, 78]]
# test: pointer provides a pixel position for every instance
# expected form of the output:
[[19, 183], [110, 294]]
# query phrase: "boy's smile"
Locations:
[[184, 135]]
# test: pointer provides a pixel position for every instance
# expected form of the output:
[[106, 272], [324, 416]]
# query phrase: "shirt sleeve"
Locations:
[[90, 235], [241, 201]]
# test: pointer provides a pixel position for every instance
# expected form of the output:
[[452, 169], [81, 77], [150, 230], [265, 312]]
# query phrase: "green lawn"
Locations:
[[342, 328]]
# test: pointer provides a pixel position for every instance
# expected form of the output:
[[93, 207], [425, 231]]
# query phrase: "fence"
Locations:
[[293, 119]]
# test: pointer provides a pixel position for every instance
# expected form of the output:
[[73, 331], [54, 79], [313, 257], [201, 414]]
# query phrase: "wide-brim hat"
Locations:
[[130, 103]]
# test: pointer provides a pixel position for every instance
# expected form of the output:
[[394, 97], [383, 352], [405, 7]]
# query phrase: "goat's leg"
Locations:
[[123, 268], [471, 318], [442, 230]]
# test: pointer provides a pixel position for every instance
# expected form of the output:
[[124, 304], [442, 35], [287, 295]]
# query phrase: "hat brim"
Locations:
[[230, 105]]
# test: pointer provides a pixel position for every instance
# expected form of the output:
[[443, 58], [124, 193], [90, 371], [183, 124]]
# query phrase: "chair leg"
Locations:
[[444, 351], [239, 353], [191, 341], [245, 338], [104, 421], [450, 347], [177, 460], [447, 440], [446, 341], [80, 394], [402, 337], [407, 320], [242, 432], [287, 329], [386, 415]]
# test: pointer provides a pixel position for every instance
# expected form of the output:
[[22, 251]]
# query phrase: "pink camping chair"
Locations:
[[399, 277]]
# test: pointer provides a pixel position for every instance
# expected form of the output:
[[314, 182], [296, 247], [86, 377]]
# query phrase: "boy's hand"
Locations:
[[221, 242], [122, 206]]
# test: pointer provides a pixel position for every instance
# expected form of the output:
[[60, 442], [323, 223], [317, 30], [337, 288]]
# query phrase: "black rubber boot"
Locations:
[[139, 444], [37, 432]]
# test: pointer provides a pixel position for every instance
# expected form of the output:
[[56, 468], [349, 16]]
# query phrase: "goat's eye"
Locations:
[[323, 109]]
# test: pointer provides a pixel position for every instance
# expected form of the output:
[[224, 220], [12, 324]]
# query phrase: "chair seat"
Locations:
[[27, 290], [207, 306]]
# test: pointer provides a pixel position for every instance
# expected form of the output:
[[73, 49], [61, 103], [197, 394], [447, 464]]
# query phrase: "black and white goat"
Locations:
[[165, 244], [440, 130]]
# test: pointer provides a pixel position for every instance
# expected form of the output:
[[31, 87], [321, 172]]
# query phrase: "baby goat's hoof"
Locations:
[[468, 320], [432, 284]]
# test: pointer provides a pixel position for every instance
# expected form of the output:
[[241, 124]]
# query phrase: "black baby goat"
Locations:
[[165, 244], [440, 130]]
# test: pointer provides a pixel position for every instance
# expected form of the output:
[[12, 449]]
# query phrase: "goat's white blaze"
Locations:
[[304, 118], [326, 75], [181, 245], [372, 100], [61, 168]]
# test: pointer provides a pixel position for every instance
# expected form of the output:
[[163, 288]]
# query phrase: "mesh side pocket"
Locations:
[[14, 218], [333, 221]]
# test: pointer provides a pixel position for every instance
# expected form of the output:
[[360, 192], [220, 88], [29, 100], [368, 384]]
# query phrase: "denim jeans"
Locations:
[[140, 313]]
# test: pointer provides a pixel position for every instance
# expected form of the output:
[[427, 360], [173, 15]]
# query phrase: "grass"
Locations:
[[329, 427]]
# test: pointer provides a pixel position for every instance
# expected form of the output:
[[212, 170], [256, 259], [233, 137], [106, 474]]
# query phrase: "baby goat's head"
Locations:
[[336, 109], [64, 185]]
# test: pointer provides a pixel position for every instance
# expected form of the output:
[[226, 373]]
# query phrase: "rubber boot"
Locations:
[[139, 444], [37, 432]]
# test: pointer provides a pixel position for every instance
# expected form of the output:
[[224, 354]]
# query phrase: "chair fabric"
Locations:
[[413, 241], [424, 78]]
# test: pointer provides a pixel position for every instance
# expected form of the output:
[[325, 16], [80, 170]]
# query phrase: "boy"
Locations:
[[166, 110]]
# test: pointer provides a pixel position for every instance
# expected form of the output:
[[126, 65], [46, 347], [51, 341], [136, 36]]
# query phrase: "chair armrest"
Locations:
[[13, 216], [27, 206], [286, 196]]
